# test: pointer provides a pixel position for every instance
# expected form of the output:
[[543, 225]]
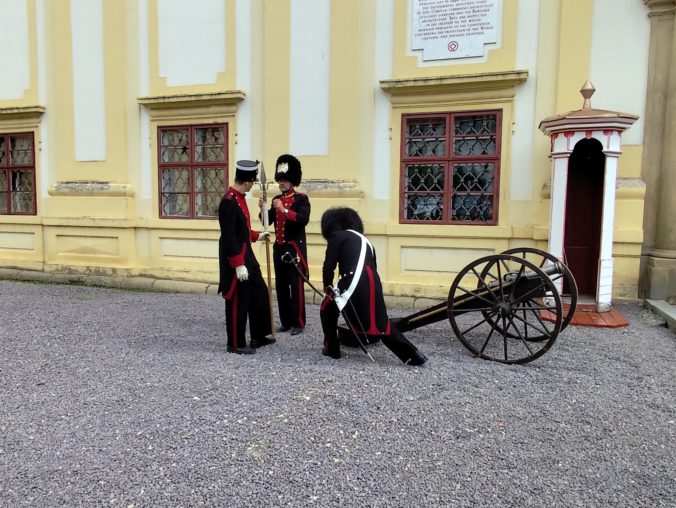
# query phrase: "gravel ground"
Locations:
[[124, 398]]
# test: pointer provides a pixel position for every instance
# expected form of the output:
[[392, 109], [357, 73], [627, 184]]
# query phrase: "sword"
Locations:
[[263, 183], [288, 258]]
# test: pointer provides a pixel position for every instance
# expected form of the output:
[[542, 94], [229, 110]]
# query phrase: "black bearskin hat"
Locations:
[[288, 168], [340, 219]]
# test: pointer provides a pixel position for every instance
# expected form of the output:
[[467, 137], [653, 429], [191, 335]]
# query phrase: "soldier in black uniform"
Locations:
[[290, 213], [359, 292], [241, 282]]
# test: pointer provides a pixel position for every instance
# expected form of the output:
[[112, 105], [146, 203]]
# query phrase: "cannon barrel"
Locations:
[[505, 307], [476, 297]]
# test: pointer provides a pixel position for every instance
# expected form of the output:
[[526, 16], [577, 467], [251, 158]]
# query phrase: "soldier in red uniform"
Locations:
[[359, 293], [241, 282], [289, 214]]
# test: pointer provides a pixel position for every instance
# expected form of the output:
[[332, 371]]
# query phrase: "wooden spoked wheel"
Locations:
[[496, 306], [562, 277]]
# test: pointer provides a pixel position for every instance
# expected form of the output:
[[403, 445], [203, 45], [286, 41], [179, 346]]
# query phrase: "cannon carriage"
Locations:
[[507, 307]]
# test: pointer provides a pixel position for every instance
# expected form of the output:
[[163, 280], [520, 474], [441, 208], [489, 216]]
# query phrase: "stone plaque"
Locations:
[[449, 29]]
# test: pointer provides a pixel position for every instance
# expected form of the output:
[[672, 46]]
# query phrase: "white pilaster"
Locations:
[[243, 48], [144, 89], [606, 71], [44, 153], [605, 285], [521, 176], [381, 124], [14, 41], [310, 34], [558, 203], [86, 19], [191, 41]]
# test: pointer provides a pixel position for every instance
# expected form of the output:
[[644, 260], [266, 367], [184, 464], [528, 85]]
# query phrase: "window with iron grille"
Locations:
[[193, 170], [450, 167], [17, 174]]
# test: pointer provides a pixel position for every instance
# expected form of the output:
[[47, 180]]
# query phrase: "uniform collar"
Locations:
[[236, 192], [291, 192]]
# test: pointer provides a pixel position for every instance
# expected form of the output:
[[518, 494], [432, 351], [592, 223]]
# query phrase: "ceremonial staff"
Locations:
[[263, 183]]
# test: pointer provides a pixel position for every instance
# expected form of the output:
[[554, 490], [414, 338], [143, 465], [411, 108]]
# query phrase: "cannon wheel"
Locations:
[[509, 296], [540, 258]]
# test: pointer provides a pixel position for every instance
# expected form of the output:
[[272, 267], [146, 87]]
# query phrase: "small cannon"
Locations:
[[505, 307]]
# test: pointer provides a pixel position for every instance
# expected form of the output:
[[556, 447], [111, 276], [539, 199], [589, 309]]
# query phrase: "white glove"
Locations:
[[242, 273], [263, 235]]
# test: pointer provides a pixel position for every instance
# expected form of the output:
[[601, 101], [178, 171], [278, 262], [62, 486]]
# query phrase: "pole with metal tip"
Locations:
[[263, 183]]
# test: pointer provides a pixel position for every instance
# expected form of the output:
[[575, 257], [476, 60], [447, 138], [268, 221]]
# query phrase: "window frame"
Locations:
[[447, 161], [8, 168], [191, 165]]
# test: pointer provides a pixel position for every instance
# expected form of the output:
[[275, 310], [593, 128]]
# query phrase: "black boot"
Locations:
[[265, 341], [241, 350], [417, 359], [332, 349]]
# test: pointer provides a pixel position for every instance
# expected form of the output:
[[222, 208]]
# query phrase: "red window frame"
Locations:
[[8, 168], [447, 161], [191, 165]]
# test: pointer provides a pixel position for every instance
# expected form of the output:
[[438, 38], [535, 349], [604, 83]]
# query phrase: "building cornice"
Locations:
[[21, 112], [229, 97], [661, 7], [455, 83]]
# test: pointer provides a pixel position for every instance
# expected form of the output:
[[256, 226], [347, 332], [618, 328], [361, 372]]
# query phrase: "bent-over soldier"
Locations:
[[360, 293]]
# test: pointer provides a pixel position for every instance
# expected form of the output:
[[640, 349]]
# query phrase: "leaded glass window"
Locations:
[[193, 170], [450, 168], [17, 174]]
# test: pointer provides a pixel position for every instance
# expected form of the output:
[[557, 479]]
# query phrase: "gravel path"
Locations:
[[124, 398]]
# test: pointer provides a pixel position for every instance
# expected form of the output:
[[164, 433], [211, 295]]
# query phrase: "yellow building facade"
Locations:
[[423, 115]]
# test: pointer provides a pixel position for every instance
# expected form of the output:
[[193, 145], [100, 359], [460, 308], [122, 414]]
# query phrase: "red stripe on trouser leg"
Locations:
[[303, 261], [301, 302], [373, 330], [235, 321], [233, 287]]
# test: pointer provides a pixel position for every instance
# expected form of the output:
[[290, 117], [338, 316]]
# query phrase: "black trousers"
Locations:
[[289, 288], [395, 341], [249, 301]]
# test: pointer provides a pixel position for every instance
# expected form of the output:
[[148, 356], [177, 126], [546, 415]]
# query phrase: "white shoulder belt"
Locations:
[[342, 298]]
